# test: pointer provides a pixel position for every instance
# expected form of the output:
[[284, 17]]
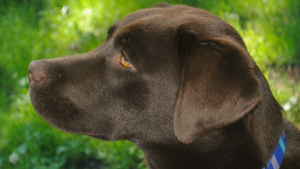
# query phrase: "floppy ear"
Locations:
[[217, 87]]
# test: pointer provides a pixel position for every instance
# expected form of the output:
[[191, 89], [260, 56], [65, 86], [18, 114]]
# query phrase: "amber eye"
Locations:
[[125, 62]]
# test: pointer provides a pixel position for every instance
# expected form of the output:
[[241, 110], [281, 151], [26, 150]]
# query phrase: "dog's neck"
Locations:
[[220, 144]]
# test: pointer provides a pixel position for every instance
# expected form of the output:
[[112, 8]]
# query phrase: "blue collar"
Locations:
[[277, 156]]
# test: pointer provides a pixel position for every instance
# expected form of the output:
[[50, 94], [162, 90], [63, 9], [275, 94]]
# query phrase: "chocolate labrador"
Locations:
[[179, 83]]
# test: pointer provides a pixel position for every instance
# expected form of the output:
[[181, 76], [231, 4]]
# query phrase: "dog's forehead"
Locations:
[[164, 17], [171, 12], [151, 16], [146, 14]]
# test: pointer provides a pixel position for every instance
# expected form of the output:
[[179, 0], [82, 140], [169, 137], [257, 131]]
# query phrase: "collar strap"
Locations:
[[277, 157]]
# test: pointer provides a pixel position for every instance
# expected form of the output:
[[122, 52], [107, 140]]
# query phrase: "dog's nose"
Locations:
[[36, 71]]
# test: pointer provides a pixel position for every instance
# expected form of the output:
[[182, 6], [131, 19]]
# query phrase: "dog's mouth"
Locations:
[[55, 109], [47, 103], [62, 113]]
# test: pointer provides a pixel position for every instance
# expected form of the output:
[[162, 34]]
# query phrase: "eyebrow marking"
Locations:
[[112, 30]]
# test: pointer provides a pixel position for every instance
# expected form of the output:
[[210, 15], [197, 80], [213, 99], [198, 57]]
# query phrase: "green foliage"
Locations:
[[34, 29]]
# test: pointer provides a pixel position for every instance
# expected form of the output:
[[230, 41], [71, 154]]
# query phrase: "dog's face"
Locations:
[[160, 70]]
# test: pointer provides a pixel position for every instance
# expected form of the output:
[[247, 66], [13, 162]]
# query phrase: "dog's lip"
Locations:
[[42, 100], [42, 109], [101, 137], [94, 135]]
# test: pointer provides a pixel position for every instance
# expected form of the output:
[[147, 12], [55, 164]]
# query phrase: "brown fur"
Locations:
[[193, 98]]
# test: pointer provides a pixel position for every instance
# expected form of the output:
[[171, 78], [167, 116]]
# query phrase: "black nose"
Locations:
[[36, 72]]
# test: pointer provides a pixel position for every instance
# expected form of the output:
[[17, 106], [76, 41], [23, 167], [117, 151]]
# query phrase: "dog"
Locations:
[[176, 81]]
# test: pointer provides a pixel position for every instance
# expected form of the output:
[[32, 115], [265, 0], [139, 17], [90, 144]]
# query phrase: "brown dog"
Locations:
[[176, 81]]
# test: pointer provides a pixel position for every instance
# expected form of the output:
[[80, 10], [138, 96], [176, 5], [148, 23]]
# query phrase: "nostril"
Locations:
[[36, 72], [36, 76]]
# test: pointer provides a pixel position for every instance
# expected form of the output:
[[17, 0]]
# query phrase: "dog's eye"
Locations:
[[125, 62]]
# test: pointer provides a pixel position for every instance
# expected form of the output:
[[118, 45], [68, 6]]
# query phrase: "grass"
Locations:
[[33, 29]]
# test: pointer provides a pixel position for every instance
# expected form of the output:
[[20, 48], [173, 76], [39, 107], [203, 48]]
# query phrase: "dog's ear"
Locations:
[[217, 87]]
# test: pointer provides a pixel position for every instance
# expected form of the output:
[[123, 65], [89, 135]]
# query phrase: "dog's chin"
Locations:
[[60, 112], [68, 126]]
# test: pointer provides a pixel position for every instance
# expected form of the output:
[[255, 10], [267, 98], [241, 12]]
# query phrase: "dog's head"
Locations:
[[162, 72]]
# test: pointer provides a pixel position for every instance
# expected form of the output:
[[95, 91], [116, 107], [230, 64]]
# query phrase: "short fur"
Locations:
[[193, 97]]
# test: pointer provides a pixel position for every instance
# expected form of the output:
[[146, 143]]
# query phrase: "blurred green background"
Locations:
[[35, 29]]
